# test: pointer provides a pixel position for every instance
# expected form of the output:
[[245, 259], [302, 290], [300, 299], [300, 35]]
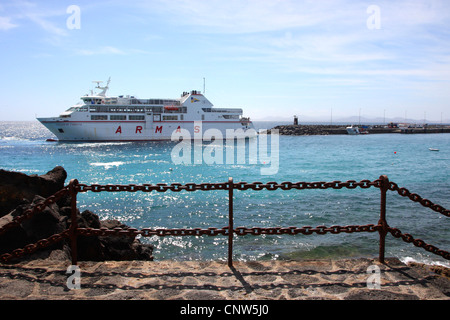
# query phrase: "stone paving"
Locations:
[[348, 279]]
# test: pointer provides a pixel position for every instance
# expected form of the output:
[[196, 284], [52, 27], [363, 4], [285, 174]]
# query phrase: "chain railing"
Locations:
[[74, 231], [28, 214]]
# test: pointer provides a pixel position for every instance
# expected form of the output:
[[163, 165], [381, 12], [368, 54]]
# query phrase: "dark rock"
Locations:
[[16, 187], [103, 248], [89, 220], [19, 192], [45, 223], [142, 251], [41, 225], [57, 178]]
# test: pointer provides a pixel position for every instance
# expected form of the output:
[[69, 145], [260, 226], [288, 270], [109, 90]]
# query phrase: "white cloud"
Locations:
[[237, 16], [43, 22], [5, 23], [39, 14], [100, 51], [332, 38]]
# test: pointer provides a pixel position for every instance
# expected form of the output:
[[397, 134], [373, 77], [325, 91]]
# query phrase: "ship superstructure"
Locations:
[[98, 117]]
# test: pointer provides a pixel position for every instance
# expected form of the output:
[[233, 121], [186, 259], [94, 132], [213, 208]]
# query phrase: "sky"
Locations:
[[320, 60]]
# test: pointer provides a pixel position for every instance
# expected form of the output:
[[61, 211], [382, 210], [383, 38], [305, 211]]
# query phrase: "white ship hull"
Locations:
[[102, 118], [145, 131]]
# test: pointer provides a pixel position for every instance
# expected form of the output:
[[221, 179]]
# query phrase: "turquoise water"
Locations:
[[404, 158]]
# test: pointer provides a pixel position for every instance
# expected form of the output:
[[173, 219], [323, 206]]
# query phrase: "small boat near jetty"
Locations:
[[352, 130]]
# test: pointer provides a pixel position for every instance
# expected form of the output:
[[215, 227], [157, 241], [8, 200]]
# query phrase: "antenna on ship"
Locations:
[[204, 88], [102, 88], [98, 83]]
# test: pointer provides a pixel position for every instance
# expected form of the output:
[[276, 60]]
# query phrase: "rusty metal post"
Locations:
[[230, 222], [382, 222], [74, 222]]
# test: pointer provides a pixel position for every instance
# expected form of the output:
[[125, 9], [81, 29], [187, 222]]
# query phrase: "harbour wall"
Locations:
[[296, 130]]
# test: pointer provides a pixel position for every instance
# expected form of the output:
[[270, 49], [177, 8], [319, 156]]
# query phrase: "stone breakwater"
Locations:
[[347, 279], [300, 130]]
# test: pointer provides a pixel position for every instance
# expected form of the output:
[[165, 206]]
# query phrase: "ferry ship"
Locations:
[[98, 117]]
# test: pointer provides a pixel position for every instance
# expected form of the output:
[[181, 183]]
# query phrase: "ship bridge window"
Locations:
[[92, 100], [110, 100]]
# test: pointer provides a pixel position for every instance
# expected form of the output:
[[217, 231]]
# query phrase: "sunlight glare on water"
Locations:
[[405, 159]]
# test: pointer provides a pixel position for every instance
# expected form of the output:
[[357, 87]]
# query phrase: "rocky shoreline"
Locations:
[[306, 130], [18, 192]]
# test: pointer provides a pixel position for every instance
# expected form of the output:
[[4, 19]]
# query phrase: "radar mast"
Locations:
[[104, 89]]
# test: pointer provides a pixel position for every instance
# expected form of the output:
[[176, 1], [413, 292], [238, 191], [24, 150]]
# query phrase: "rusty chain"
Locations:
[[419, 243], [28, 214], [36, 208], [416, 198], [271, 186], [148, 232], [307, 230], [257, 186], [30, 248], [239, 231]]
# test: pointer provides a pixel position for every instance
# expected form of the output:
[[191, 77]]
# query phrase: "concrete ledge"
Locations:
[[212, 280]]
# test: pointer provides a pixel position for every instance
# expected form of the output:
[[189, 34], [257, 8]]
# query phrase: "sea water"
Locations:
[[405, 159]]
